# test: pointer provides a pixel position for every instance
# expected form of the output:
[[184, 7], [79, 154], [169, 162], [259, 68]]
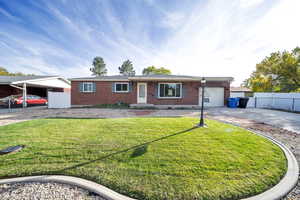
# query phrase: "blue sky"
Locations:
[[192, 37]]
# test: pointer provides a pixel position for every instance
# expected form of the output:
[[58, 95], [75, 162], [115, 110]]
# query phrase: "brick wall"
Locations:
[[190, 94], [104, 94]]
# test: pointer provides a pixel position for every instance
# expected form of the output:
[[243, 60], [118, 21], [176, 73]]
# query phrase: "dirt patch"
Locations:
[[142, 112]]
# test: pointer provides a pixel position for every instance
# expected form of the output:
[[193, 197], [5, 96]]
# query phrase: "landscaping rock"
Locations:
[[45, 191]]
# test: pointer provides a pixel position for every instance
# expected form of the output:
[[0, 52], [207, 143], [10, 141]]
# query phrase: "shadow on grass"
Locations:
[[139, 150]]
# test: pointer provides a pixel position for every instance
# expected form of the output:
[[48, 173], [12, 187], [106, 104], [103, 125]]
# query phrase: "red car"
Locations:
[[32, 100], [17, 100]]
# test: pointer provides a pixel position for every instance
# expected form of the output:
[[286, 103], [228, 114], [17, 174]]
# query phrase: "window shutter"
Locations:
[[113, 85], [80, 87], [94, 87], [183, 90]]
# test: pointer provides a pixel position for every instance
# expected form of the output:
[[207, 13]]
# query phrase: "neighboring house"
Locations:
[[240, 92], [150, 90], [35, 85]]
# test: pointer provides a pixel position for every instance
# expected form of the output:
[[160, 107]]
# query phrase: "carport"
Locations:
[[34, 85]]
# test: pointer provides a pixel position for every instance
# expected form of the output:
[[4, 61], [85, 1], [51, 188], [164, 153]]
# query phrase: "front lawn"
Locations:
[[146, 158]]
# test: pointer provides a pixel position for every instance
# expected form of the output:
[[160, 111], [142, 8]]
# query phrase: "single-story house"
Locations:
[[35, 85], [150, 90], [240, 92]]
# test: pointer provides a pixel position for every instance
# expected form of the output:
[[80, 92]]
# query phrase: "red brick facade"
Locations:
[[105, 95]]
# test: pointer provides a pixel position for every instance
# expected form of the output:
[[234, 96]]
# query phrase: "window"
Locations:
[[121, 87], [87, 87], [169, 90]]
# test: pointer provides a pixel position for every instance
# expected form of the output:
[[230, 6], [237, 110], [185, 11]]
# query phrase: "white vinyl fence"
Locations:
[[59, 100], [282, 101]]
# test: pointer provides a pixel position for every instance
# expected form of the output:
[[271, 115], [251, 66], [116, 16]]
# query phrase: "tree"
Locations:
[[4, 72], [98, 68], [154, 70], [279, 72], [127, 68]]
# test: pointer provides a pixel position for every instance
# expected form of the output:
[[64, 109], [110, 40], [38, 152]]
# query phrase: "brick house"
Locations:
[[150, 90]]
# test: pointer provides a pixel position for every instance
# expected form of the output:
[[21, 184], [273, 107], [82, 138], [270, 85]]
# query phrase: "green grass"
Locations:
[[147, 158]]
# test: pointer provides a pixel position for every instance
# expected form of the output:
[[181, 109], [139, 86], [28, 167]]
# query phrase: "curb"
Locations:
[[79, 182], [286, 184], [290, 179]]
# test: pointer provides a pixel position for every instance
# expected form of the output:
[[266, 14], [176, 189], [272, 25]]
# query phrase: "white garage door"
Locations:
[[213, 96]]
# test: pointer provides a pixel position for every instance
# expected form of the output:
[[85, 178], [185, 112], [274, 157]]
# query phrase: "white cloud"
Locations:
[[250, 3], [217, 38], [215, 43], [172, 20]]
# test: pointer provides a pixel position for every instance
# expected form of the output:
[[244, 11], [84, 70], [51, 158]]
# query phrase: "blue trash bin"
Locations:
[[232, 102]]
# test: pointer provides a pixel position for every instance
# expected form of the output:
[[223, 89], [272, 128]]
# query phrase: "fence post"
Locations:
[[9, 105], [255, 102], [293, 105]]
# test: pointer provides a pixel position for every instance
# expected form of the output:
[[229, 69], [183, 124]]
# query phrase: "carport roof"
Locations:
[[11, 79]]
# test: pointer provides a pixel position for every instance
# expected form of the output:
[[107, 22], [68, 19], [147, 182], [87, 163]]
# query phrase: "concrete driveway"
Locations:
[[286, 120], [280, 119]]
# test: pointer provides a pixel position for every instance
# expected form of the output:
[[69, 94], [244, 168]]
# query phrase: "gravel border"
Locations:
[[45, 191], [96, 188]]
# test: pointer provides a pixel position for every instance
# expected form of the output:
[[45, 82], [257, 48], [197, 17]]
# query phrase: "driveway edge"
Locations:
[[280, 190]]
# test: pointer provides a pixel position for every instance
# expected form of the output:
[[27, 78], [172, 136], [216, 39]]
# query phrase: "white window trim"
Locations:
[[158, 91], [115, 89], [87, 83]]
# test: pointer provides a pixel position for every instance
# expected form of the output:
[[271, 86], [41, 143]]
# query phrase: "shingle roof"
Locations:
[[150, 77], [11, 79], [115, 77]]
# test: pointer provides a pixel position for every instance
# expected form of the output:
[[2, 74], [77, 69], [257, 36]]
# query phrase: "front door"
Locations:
[[142, 93]]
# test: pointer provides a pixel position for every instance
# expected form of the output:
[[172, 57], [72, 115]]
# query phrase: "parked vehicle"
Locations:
[[17, 100]]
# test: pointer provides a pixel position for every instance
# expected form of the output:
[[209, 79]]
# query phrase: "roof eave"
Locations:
[[94, 79], [39, 79]]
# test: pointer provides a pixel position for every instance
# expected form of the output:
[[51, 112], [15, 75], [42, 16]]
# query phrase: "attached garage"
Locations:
[[213, 96]]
